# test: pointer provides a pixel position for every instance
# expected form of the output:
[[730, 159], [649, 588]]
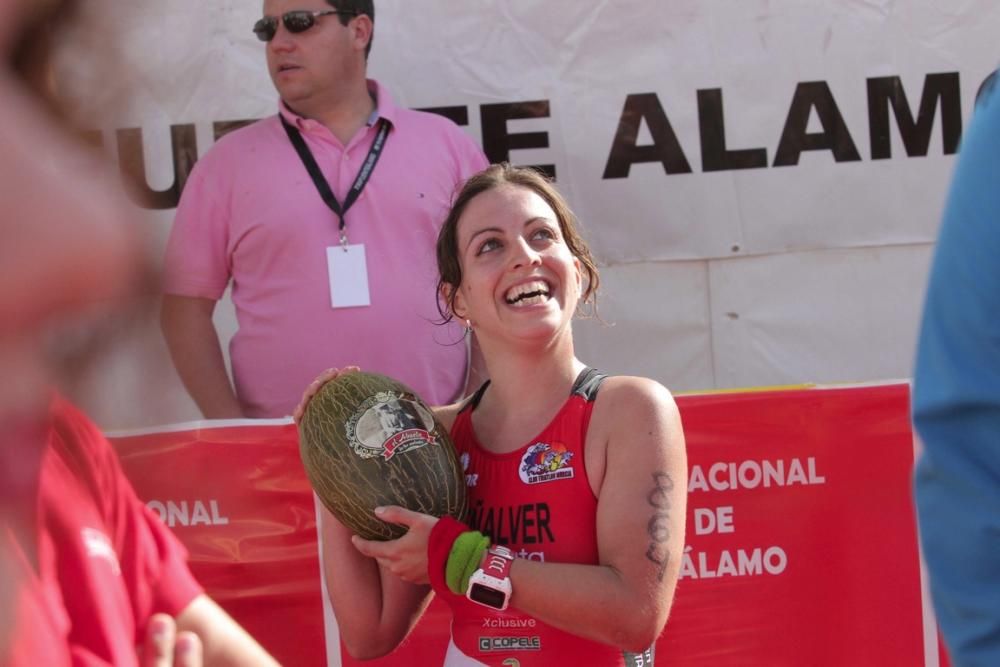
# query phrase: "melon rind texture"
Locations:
[[352, 475]]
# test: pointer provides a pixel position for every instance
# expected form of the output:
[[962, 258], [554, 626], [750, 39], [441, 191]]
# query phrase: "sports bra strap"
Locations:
[[586, 385]]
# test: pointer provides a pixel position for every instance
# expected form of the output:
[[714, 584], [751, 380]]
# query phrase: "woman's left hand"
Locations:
[[405, 557], [316, 385]]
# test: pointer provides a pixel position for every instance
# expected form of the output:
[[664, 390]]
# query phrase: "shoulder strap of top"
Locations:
[[587, 384], [473, 401]]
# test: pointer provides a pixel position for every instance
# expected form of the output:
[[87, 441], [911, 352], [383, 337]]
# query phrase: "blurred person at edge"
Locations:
[[251, 216], [88, 575], [956, 400]]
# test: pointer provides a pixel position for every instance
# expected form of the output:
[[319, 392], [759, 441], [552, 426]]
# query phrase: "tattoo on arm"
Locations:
[[658, 527]]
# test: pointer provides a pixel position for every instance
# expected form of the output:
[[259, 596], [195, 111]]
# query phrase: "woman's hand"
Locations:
[[405, 557], [315, 385]]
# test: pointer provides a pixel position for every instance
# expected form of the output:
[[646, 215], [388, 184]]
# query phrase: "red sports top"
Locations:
[[537, 501], [85, 562]]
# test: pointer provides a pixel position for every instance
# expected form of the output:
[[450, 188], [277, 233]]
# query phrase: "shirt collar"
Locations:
[[385, 108]]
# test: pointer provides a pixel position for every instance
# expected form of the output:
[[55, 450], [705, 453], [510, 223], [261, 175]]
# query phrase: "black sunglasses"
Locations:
[[297, 21]]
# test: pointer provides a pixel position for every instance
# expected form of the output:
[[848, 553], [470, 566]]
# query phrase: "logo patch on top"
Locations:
[[390, 423], [544, 462], [98, 545], [489, 644]]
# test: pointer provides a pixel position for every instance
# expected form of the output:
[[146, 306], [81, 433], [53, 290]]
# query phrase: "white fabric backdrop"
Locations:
[[773, 275]]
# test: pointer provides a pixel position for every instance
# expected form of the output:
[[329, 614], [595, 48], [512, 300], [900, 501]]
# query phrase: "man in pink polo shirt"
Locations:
[[323, 218]]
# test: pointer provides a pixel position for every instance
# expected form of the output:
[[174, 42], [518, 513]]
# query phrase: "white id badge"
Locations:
[[348, 273]]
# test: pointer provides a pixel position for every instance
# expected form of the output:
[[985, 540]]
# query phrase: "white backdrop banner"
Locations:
[[761, 181]]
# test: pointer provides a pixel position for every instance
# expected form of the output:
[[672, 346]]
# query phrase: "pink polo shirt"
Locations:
[[251, 216]]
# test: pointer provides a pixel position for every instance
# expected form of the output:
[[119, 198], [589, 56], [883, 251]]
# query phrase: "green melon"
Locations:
[[367, 440]]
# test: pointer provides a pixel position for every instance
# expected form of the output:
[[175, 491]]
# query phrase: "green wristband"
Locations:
[[463, 559]]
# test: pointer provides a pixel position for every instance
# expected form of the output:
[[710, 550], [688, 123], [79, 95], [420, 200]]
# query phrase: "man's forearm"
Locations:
[[197, 355], [210, 388]]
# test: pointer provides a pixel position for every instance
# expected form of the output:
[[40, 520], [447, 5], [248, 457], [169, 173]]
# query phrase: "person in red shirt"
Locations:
[[90, 566], [87, 573], [577, 482]]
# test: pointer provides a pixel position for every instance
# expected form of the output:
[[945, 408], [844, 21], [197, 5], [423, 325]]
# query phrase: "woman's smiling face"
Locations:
[[518, 275]]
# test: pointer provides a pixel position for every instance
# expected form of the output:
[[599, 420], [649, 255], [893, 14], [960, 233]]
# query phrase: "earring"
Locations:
[[468, 326]]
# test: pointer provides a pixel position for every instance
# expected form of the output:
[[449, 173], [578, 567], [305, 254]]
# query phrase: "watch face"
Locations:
[[490, 597]]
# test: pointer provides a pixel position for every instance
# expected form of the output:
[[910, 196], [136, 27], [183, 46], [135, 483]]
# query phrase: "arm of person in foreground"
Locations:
[[197, 354], [224, 642], [956, 402], [152, 561], [624, 600]]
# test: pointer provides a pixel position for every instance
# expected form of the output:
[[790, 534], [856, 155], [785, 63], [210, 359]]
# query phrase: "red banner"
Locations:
[[801, 540], [801, 532], [238, 498]]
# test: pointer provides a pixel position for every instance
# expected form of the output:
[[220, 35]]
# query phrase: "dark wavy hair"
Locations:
[[494, 176]]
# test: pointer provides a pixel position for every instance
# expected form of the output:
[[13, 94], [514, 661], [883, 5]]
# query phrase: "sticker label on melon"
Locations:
[[390, 423]]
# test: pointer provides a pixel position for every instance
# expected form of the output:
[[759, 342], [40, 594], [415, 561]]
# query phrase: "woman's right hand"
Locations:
[[315, 385]]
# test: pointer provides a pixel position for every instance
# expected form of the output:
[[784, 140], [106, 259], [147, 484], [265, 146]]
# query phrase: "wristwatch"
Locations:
[[490, 584]]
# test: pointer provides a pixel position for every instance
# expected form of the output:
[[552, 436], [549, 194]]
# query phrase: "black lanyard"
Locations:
[[320, 181]]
